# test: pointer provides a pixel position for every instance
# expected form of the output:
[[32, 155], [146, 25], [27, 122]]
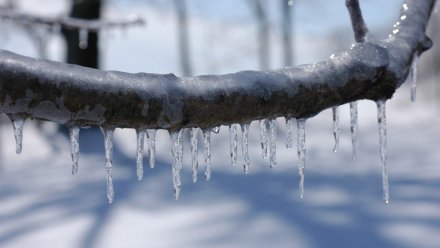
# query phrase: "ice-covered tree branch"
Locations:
[[70, 23], [75, 95]]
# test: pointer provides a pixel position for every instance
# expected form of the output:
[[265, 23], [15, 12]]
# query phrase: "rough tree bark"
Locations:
[[75, 95]]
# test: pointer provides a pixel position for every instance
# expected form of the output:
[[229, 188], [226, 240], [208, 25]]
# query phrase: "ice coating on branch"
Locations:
[[354, 127], [74, 147], [273, 143], [233, 143], [263, 137], [151, 140], [245, 147], [207, 153], [216, 130], [382, 123], [140, 136], [301, 148], [83, 42], [336, 129], [17, 123], [177, 153], [414, 77], [194, 153], [289, 141], [108, 144]]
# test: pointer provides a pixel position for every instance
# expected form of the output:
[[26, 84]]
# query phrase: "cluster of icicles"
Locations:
[[268, 145], [267, 137]]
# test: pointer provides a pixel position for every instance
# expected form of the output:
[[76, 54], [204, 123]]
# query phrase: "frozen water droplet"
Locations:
[[245, 147], [151, 140], [289, 141], [194, 153], [207, 153], [216, 130], [273, 143], [263, 137], [74, 147], [301, 148], [336, 129], [83, 38], [382, 122], [108, 144], [233, 143], [177, 152], [140, 134], [17, 124], [290, 3], [354, 127], [413, 74], [55, 29]]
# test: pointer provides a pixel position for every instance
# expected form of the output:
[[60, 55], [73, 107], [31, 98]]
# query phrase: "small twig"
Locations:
[[357, 21], [70, 23]]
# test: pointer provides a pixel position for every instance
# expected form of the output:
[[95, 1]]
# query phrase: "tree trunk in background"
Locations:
[[182, 26], [263, 35], [84, 9], [286, 24]]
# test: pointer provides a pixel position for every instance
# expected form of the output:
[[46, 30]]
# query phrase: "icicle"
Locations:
[[216, 130], [83, 38], [17, 123], [354, 127], [177, 152], [263, 137], [245, 147], [74, 147], [289, 142], [382, 122], [207, 154], [273, 143], [336, 129], [194, 153], [413, 73], [140, 134], [301, 148], [233, 143], [151, 140], [108, 143]]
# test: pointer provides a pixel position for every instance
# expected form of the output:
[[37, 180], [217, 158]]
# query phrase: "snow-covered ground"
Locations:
[[43, 205]]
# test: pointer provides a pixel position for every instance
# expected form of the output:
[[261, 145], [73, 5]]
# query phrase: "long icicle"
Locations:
[[382, 122], [263, 137], [151, 140], [176, 151], [194, 153], [233, 143], [289, 142], [273, 143], [108, 143], [301, 148], [354, 128], [74, 147], [17, 124], [336, 129], [245, 147], [140, 135], [413, 73], [207, 153]]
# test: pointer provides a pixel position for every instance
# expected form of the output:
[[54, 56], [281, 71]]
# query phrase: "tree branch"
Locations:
[[74, 95], [359, 26], [70, 23]]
